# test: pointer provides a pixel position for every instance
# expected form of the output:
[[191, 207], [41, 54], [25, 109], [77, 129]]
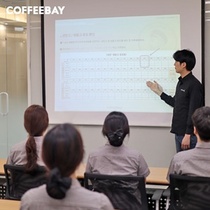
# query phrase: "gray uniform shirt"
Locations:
[[193, 162], [17, 154], [118, 161], [77, 198]]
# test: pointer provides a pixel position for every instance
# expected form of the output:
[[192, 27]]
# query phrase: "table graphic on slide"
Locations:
[[103, 64]]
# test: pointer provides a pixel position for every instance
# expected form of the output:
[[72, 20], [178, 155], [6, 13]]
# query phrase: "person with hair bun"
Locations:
[[28, 152], [114, 157], [62, 152]]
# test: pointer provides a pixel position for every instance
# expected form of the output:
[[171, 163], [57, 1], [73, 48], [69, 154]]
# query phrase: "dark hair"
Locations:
[[185, 56], [35, 122], [62, 152], [201, 120], [116, 127]]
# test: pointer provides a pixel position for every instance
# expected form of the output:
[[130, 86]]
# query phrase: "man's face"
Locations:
[[180, 67]]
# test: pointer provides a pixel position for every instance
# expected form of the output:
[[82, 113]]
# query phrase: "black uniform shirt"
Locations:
[[188, 97]]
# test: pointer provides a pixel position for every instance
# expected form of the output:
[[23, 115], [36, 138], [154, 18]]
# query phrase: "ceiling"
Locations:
[[9, 22], [6, 3]]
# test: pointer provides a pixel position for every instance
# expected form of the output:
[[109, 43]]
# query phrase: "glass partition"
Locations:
[[13, 79]]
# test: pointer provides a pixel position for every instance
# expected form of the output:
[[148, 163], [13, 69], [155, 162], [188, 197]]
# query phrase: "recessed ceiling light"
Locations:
[[20, 29]]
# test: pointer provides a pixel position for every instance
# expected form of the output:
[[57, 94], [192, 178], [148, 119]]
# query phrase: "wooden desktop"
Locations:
[[2, 162], [9, 204], [157, 175]]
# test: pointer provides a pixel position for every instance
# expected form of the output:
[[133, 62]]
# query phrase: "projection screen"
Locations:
[[98, 56]]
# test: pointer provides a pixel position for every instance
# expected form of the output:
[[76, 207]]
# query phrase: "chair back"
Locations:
[[124, 192], [19, 181], [189, 192]]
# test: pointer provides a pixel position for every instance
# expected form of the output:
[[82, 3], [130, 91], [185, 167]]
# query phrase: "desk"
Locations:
[[2, 162], [80, 171], [9, 204], [157, 176]]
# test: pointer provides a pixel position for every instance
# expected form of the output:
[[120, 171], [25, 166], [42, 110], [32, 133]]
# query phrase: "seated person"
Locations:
[[62, 152], [195, 162], [114, 158], [28, 152]]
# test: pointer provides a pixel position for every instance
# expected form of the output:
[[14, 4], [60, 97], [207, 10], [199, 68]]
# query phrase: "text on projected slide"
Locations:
[[103, 64]]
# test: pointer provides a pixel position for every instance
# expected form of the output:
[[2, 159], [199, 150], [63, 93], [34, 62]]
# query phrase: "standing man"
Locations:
[[188, 97]]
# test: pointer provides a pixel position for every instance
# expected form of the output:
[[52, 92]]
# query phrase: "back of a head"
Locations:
[[201, 120], [62, 152], [186, 56], [115, 128], [35, 122]]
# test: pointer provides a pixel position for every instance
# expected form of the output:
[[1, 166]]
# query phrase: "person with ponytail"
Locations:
[[28, 153], [62, 152]]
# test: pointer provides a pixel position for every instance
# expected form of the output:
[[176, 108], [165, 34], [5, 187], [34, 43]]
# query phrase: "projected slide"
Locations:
[[103, 64]]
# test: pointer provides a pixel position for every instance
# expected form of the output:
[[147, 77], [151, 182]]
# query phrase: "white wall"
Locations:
[[155, 143]]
